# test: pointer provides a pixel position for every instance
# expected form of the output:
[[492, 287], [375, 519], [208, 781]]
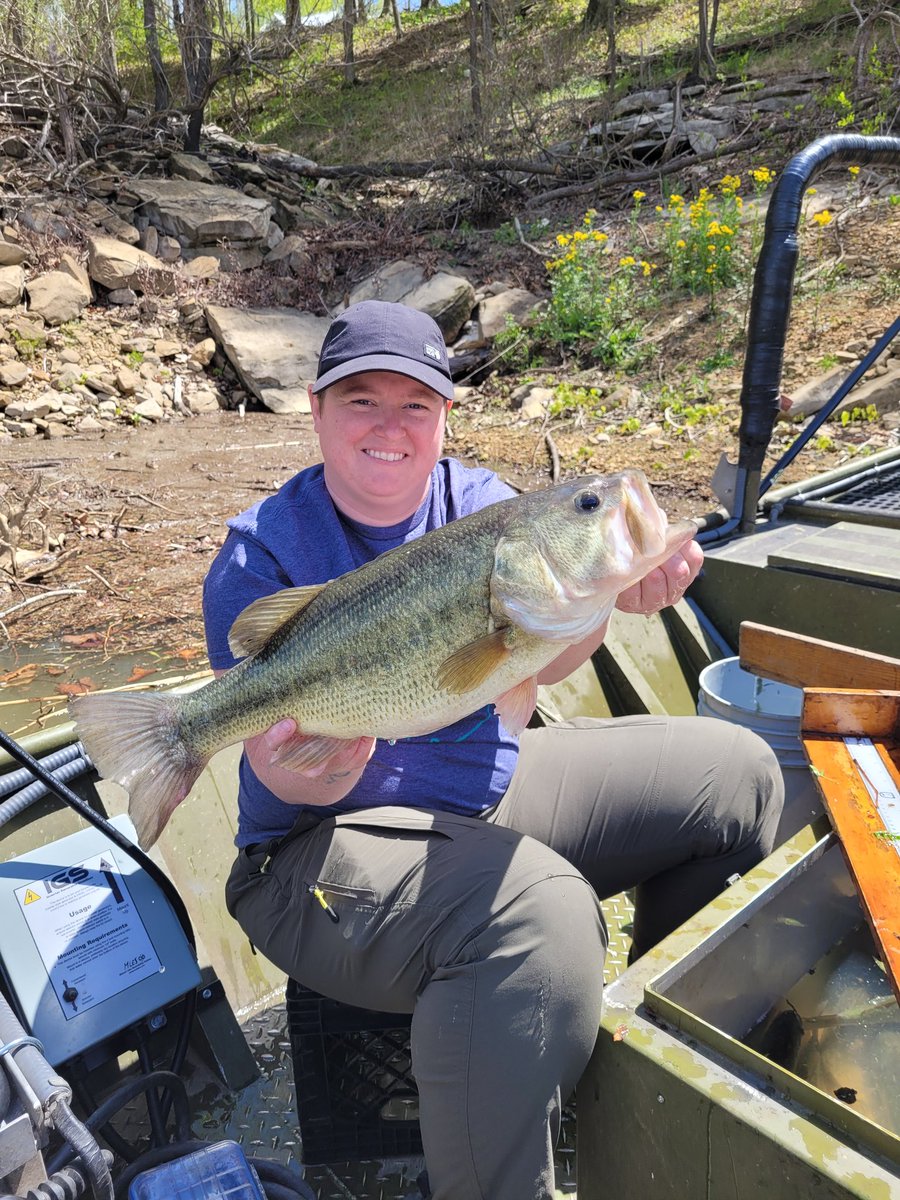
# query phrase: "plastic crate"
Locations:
[[356, 1096], [217, 1172]]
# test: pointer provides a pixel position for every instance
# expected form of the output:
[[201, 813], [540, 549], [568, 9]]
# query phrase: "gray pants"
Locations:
[[489, 930]]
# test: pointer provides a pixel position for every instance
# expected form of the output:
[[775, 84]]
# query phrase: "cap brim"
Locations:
[[436, 380]]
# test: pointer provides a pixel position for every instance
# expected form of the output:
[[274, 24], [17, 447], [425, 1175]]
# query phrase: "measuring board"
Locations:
[[852, 740]]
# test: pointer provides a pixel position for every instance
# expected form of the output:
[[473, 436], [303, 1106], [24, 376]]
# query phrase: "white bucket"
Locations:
[[771, 710]]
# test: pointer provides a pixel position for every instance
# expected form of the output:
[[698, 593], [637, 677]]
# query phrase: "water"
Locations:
[[37, 681], [323, 13]]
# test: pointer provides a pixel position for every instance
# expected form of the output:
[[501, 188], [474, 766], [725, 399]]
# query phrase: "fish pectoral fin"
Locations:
[[305, 751], [475, 662], [256, 624], [514, 708]]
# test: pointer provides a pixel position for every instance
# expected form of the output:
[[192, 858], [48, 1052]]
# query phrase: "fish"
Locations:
[[421, 636]]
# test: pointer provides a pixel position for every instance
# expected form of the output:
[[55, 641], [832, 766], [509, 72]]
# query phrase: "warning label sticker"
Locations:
[[90, 937]]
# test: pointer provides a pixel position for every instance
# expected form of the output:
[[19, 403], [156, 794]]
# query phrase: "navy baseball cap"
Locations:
[[376, 336]]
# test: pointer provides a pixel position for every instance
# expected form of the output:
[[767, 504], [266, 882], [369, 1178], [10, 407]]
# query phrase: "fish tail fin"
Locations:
[[135, 739]]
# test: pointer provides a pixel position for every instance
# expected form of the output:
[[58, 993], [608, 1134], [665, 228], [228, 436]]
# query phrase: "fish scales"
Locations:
[[366, 653]]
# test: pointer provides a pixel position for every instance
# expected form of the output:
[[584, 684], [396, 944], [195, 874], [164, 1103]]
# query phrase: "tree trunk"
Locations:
[[349, 65], [361, 13], [291, 17], [474, 61], [162, 93], [704, 63], [195, 42], [487, 32]]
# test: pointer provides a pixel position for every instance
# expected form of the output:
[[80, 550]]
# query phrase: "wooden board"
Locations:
[[873, 857], [846, 550], [811, 662]]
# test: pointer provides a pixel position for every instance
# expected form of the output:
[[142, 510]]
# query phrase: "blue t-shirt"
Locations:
[[296, 538]]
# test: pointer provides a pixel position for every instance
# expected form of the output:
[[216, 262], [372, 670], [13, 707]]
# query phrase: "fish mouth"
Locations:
[[390, 456]]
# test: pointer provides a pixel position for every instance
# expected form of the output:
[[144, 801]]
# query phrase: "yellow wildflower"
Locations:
[[731, 183], [676, 201], [659, 208], [711, 248], [646, 268], [680, 244], [714, 228], [853, 170], [562, 239], [811, 191], [823, 218], [639, 195], [762, 175], [600, 237], [579, 235], [628, 261]]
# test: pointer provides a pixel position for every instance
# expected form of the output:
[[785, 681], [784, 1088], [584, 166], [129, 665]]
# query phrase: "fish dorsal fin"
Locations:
[[471, 665], [256, 624]]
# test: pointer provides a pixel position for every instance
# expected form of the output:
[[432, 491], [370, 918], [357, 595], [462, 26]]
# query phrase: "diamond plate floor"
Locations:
[[263, 1119]]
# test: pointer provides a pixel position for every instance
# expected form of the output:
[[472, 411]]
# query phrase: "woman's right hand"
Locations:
[[323, 784]]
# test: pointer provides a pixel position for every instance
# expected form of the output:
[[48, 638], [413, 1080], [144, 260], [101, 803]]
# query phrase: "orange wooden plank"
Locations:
[[873, 861]]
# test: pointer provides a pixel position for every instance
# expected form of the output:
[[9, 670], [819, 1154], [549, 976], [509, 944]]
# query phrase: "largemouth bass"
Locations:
[[414, 640]]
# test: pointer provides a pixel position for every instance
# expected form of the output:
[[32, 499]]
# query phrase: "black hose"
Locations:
[[274, 1174], [154, 1108], [114, 1140], [772, 293], [67, 1184], [78, 1135], [127, 1092]]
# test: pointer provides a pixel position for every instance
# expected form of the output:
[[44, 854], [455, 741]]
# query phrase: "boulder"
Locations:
[[517, 303], [192, 167], [275, 351], [58, 296], [117, 265], [448, 298], [291, 250], [11, 254], [13, 374], [201, 214], [12, 286], [229, 258], [204, 266]]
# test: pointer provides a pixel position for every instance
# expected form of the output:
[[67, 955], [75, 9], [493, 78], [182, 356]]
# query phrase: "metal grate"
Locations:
[[880, 492]]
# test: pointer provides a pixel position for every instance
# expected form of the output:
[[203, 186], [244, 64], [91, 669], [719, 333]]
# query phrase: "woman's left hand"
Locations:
[[665, 584]]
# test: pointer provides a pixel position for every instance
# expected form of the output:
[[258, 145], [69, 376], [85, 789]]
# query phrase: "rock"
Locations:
[[13, 374], [122, 297], [274, 236], [122, 231], [192, 167], [202, 214], [89, 424], [204, 400], [203, 352], [126, 381], [204, 266], [168, 249], [230, 258], [12, 286], [517, 303], [533, 407], [27, 330], [293, 251], [68, 377], [641, 101], [165, 348], [149, 410], [70, 356], [117, 265], [448, 298], [11, 254], [58, 296], [275, 351], [150, 240]]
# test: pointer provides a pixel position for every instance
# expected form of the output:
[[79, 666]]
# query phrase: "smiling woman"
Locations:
[[381, 435]]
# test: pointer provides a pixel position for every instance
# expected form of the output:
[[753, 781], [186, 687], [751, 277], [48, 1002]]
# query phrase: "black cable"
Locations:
[[154, 1106], [114, 1140], [122, 1095], [78, 1135], [274, 1174], [67, 1184]]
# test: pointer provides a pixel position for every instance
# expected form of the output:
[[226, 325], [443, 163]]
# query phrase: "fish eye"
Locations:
[[586, 501]]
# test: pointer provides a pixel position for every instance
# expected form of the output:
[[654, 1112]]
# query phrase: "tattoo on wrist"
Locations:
[[335, 777]]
